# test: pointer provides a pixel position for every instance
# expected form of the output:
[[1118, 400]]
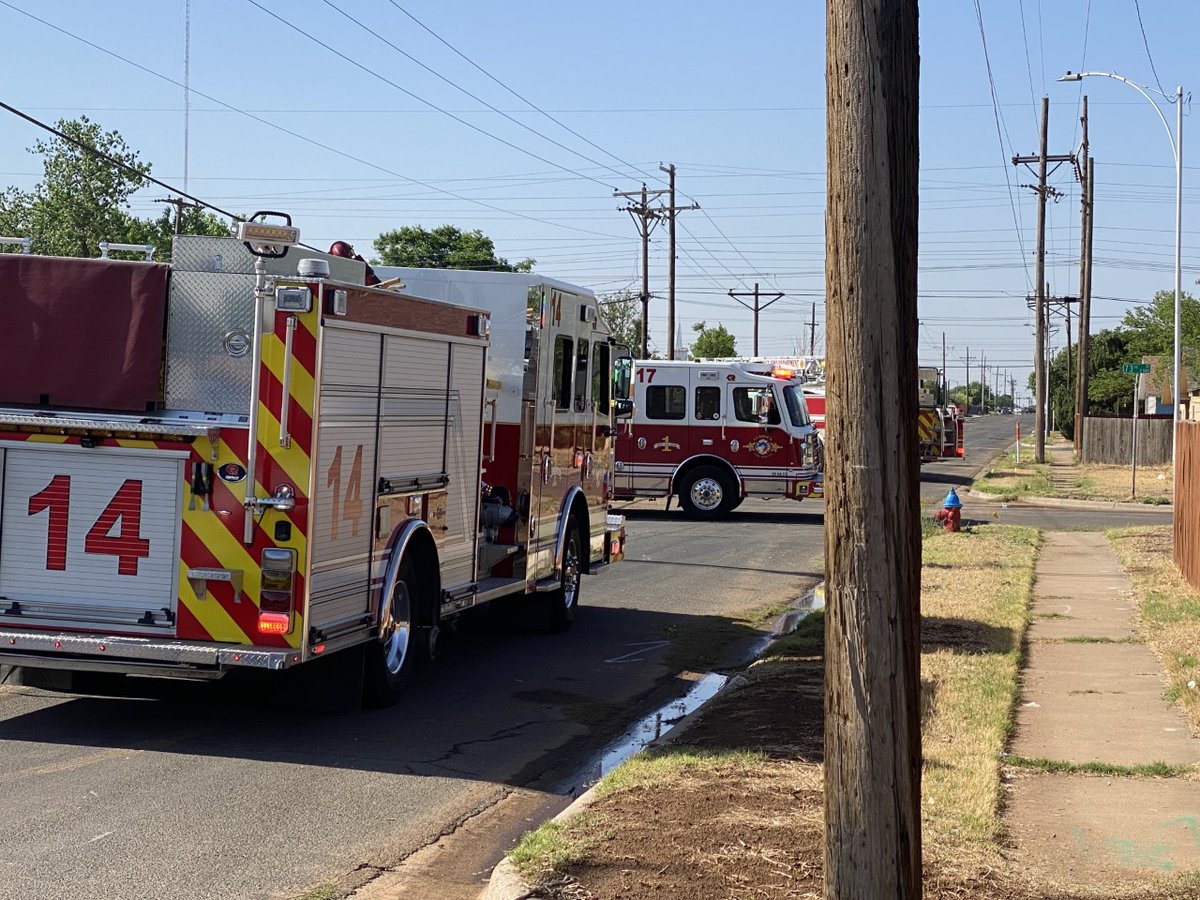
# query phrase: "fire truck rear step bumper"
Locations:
[[44, 649]]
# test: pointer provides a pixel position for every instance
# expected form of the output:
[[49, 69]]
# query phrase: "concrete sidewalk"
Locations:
[[1092, 693]]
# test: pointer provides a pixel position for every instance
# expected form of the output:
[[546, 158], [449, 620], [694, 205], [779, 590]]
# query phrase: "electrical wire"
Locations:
[[475, 97], [1146, 43], [516, 94], [298, 135], [1000, 137]]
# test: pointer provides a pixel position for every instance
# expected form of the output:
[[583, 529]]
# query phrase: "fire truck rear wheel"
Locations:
[[563, 603], [394, 654], [706, 493]]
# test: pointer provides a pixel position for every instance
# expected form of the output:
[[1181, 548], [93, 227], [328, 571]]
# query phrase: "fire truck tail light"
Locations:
[[274, 623], [277, 581]]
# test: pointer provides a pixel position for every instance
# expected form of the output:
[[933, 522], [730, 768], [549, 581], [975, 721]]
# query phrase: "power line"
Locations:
[[350, 60], [1000, 132], [1146, 43], [298, 135], [113, 161], [474, 97], [516, 94]]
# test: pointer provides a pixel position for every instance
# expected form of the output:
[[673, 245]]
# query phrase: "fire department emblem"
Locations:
[[764, 446], [666, 445], [641, 442]]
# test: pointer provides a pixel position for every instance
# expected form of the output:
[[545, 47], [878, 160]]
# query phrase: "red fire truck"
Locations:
[[238, 461], [713, 434]]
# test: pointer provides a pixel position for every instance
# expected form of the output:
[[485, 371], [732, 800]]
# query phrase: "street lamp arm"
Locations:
[[1141, 89]]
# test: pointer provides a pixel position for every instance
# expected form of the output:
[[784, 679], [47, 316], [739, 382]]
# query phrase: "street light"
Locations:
[[1176, 149]]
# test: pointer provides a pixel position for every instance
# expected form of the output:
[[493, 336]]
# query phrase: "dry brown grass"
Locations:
[[975, 592], [1114, 482], [1168, 611]]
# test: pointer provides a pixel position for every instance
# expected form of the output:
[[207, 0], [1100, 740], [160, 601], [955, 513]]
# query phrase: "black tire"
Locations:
[[562, 604], [706, 493], [394, 655], [735, 503]]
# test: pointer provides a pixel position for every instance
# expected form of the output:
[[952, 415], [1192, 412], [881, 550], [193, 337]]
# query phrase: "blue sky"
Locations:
[[733, 94]]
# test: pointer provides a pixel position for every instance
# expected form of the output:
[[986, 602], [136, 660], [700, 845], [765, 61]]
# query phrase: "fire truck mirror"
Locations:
[[622, 408]]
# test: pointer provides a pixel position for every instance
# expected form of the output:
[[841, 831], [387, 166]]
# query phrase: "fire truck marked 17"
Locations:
[[735, 433], [183, 510]]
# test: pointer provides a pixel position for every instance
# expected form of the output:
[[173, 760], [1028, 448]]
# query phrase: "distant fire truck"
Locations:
[[939, 427], [235, 461], [713, 434]]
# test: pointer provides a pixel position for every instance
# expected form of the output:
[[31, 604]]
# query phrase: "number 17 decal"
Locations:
[[125, 506]]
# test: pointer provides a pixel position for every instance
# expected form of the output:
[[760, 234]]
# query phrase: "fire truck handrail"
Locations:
[[57, 422]]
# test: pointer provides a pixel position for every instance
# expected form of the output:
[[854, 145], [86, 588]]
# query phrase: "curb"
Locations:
[[1065, 503], [506, 883]]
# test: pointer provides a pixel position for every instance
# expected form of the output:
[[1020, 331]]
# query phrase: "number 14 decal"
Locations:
[[125, 506]]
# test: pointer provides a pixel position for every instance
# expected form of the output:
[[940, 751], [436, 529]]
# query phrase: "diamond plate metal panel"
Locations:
[[196, 253], [204, 308], [211, 298]]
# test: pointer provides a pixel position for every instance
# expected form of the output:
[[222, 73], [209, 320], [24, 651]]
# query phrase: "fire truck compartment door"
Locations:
[[89, 538]]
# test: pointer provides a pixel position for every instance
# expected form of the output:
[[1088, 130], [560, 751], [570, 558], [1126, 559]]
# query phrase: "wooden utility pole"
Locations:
[[1043, 191], [872, 504], [671, 211], [812, 332], [1081, 173], [1085, 296], [757, 307], [646, 218]]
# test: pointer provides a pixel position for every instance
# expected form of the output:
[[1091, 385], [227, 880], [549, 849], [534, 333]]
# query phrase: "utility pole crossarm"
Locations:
[[758, 306]]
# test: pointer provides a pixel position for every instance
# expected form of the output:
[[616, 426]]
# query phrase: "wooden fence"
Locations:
[[1110, 441], [1187, 501]]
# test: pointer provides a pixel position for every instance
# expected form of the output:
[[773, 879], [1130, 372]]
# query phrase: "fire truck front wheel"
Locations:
[[393, 656], [563, 603], [706, 493]]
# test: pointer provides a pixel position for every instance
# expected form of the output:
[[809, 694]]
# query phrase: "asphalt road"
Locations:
[[177, 790], [197, 791]]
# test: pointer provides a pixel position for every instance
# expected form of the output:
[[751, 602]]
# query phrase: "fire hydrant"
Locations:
[[951, 512]]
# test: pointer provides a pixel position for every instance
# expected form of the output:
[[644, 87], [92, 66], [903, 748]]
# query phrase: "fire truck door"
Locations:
[[757, 441]]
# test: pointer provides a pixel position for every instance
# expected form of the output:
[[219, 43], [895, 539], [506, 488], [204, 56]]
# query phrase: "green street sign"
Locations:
[[1135, 368]]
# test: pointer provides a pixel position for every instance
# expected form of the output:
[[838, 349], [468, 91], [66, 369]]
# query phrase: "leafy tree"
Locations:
[[444, 247], [622, 314], [1151, 332], [712, 343], [81, 198]]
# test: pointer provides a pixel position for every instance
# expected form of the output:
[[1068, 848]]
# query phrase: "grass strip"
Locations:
[[1168, 611], [1063, 767], [975, 596]]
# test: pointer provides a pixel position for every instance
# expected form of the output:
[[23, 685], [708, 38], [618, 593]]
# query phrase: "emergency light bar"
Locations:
[[264, 234]]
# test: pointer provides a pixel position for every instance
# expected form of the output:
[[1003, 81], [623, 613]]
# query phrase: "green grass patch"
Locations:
[[546, 848], [1063, 767], [656, 764], [322, 892], [808, 638]]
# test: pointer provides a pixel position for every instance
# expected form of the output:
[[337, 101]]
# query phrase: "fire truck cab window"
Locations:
[[708, 403], [600, 376], [667, 401], [564, 364], [755, 404], [581, 376]]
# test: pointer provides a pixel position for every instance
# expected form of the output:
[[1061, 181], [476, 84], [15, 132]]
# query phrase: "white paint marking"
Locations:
[[635, 655], [98, 837]]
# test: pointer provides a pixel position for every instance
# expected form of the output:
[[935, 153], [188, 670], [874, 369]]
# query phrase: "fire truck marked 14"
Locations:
[[375, 462]]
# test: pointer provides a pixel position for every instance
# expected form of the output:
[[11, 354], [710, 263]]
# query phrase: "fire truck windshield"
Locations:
[[797, 410]]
